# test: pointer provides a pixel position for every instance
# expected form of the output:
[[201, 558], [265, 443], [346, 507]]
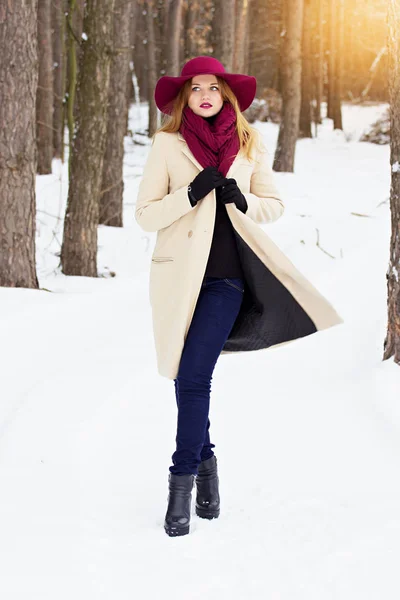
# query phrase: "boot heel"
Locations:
[[206, 513], [207, 483]]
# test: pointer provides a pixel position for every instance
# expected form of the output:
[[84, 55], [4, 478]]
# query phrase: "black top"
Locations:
[[223, 260]]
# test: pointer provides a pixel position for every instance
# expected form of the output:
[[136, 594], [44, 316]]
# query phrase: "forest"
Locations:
[[82, 64]]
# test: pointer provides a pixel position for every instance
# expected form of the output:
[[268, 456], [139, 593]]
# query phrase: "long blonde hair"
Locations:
[[249, 137]]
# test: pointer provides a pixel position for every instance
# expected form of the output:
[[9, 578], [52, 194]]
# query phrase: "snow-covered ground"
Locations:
[[307, 435]]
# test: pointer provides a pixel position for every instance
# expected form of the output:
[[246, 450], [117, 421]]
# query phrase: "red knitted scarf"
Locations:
[[213, 145]]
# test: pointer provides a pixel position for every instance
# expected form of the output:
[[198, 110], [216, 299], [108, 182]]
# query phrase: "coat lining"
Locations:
[[269, 313]]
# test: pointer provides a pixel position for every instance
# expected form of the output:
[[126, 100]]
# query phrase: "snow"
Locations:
[[307, 435]]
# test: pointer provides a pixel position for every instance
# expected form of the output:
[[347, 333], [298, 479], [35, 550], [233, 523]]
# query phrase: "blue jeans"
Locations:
[[216, 310]]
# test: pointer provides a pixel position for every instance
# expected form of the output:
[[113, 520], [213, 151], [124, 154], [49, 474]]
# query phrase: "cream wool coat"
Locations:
[[279, 304]]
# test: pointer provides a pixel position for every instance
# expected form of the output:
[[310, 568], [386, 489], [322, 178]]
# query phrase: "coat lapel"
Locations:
[[239, 160]]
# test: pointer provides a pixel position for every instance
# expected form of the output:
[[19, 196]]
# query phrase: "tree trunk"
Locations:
[[335, 62], [44, 97], [337, 105], [331, 57], [291, 86], [246, 48], [152, 66], [113, 185], [133, 19], [174, 37], [191, 23], [18, 155], [306, 73], [72, 73], [319, 71], [74, 25], [140, 52], [58, 28], [224, 32], [79, 248], [241, 39], [392, 341], [197, 30], [265, 27]]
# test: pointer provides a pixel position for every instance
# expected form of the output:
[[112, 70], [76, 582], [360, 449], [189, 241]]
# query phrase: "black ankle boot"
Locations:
[[177, 519], [207, 497]]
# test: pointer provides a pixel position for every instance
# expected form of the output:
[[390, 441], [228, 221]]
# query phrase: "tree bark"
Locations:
[[74, 26], [72, 73], [79, 247], [44, 99], [152, 66], [111, 206], [291, 86], [241, 39], [392, 341], [246, 47], [133, 19], [174, 38], [140, 52], [331, 56], [306, 73], [265, 25], [191, 23], [319, 71], [58, 29], [337, 106], [18, 151], [334, 63], [224, 32]]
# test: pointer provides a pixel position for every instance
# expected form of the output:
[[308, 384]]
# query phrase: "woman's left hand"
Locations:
[[230, 192]]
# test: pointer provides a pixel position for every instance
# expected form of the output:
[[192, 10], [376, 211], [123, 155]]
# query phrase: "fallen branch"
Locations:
[[361, 215], [320, 247]]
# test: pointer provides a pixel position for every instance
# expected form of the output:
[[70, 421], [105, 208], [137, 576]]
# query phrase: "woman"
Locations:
[[218, 284]]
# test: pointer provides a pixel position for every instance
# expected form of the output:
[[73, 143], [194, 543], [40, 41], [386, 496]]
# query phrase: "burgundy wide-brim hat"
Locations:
[[167, 88]]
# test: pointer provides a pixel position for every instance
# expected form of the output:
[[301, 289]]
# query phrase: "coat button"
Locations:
[[190, 233]]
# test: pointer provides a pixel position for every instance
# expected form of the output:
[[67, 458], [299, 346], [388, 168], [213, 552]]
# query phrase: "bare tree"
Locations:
[[197, 19], [74, 26], [319, 56], [44, 99], [224, 32], [392, 341], [265, 25], [291, 85], [72, 69], [306, 72], [113, 185], [79, 247], [152, 65], [18, 152], [192, 17], [58, 29], [241, 38], [133, 19], [174, 37], [335, 62]]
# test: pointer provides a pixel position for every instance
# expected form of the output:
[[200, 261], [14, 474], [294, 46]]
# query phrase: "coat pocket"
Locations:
[[161, 259]]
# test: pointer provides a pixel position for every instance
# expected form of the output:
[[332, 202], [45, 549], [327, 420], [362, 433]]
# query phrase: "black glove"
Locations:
[[231, 193], [206, 181]]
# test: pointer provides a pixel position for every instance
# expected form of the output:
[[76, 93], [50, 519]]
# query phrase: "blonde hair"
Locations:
[[249, 137]]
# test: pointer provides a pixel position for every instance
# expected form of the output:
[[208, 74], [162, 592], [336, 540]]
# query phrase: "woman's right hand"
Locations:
[[206, 181]]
